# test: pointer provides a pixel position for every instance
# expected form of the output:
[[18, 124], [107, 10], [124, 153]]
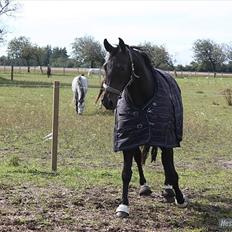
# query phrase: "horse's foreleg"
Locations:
[[123, 210], [144, 189], [172, 178]]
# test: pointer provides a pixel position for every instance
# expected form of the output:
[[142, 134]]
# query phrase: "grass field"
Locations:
[[84, 193]]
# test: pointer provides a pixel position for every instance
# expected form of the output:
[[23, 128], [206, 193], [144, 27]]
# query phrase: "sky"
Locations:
[[174, 24]]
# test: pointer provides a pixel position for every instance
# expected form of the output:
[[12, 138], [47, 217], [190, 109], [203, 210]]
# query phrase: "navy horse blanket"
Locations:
[[159, 123]]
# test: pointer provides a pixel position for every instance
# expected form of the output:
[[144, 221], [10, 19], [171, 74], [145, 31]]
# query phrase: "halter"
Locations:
[[132, 77]]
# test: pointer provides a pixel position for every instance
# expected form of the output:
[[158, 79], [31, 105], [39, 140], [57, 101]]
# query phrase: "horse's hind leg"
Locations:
[[76, 101], [171, 177], [168, 192], [81, 100], [123, 209], [144, 189]]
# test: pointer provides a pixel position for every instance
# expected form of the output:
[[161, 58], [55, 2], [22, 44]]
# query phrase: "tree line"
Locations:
[[88, 52]]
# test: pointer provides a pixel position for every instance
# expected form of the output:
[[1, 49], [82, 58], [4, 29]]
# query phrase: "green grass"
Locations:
[[86, 160]]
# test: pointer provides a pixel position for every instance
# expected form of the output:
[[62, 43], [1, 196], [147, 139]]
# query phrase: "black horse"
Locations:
[[148, 112]]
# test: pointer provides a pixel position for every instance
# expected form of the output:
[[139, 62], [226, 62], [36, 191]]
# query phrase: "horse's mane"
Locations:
[[145, 56]]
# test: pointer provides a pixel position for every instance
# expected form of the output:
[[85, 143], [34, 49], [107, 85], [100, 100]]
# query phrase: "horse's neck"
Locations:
[[142, 89]]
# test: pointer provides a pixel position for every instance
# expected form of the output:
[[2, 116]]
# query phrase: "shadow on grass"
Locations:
[[35, 172], [209, 215], [6, 82]]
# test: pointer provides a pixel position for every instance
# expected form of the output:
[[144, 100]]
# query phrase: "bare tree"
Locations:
[[7, 8]]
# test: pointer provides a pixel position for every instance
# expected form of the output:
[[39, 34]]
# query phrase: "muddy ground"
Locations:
[[30, 208]]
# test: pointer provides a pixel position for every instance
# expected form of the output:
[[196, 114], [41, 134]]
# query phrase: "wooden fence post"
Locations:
[[55, 124], [12, 73]]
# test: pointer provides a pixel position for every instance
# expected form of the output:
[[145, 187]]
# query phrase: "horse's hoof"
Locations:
[[145, 190], [168, 193], [122, 211], [184, 204], [122, 214]]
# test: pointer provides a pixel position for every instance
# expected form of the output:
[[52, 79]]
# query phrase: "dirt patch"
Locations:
[[227, 164], [30, 208]]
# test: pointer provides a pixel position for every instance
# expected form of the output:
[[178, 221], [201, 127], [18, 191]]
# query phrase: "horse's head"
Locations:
[[118, 69]]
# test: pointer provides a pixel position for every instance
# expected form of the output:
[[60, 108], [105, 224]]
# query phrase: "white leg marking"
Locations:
[[184, 204], [123, 208]]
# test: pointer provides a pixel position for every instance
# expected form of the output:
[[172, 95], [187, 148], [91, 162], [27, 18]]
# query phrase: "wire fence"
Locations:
[[26, 118], [38, 69], [65, 70], [191, 92]]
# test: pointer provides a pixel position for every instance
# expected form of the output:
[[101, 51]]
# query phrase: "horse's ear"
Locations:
[[109, 48], [122, 44]]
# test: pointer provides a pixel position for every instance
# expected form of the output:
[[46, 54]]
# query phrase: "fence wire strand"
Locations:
[[98, 87]]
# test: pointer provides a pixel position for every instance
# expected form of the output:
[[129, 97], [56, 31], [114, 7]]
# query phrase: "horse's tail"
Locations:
[[145, 153], [75, 87], [83, 87]]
